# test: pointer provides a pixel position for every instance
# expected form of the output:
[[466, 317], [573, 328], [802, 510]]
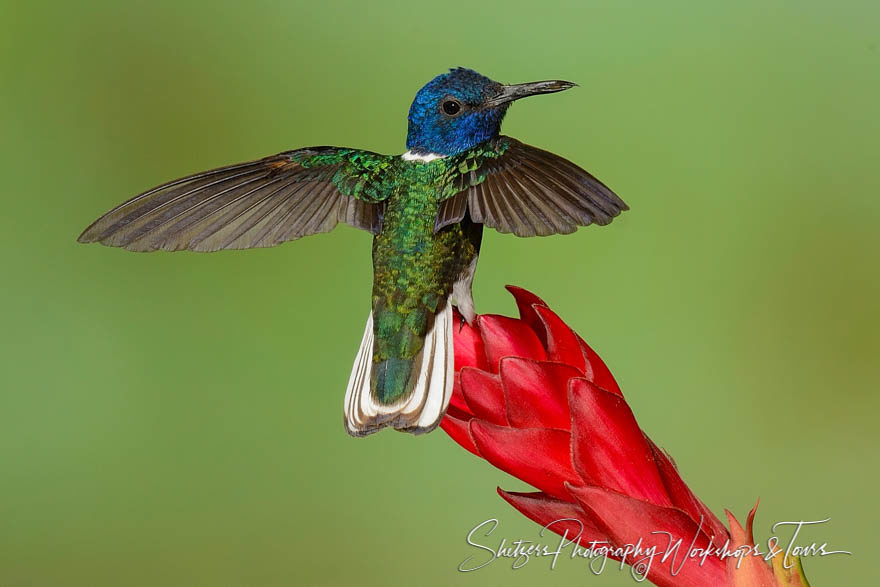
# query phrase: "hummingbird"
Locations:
[[425, 208]]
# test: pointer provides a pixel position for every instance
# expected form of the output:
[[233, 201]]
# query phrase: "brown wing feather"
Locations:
[[520, 189], [256, 204]]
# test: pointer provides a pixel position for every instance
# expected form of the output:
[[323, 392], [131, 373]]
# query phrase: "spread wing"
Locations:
[[257, 204], [514, 187]]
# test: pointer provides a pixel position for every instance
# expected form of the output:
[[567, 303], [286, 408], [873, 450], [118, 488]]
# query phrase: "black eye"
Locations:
[[451, 107]]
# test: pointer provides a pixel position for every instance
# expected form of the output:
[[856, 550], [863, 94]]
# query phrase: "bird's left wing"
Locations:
[[256, 204], [513, 187]]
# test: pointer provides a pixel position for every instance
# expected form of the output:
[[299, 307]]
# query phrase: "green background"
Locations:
[[175, 419]]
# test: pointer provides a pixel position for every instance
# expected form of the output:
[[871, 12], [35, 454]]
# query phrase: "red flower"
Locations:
[[533, 399]]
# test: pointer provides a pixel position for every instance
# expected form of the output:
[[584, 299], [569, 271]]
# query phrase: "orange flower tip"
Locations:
[[750, 522], [738, 535], [781, 572]]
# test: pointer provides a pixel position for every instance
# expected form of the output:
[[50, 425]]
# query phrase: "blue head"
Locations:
[[458, 110]]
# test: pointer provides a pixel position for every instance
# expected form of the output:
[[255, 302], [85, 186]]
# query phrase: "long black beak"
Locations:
[[517, 91]]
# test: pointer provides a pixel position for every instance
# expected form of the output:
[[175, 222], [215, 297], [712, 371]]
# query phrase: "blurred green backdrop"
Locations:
[[175, 419]]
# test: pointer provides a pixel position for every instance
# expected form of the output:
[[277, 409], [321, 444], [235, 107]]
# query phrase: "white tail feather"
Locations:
[[423, 409]]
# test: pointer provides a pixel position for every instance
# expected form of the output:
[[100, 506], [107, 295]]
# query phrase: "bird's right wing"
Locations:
[[256, 204], [513, 187]]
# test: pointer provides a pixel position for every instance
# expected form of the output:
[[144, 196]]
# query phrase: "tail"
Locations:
[[421, 409]]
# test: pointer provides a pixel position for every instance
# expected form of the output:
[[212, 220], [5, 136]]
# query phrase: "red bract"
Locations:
[[533, 399]]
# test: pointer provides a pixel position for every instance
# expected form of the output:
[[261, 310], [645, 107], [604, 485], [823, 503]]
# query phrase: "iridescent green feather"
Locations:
[[415, 268], [468, 169], [355, 173]]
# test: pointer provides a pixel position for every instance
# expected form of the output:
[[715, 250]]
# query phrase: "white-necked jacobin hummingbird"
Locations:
[[426, 210]]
